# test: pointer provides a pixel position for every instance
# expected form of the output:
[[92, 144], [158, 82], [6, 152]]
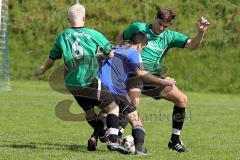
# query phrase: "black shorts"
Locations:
[[94, 95], [147, 89], [134, 82], [125, 105]]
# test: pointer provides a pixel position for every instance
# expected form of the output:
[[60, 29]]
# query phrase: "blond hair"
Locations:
[[76, 13]]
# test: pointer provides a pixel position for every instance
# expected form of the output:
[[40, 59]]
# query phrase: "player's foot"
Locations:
[[177, 146], [117, 147], [141, 153], [92, 143]]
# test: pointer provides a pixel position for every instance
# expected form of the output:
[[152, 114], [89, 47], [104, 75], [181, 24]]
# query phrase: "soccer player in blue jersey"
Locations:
[[114, 74], [160, 40]]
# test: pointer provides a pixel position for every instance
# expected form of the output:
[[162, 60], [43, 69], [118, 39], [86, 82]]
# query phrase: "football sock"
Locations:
[[122, 125], [92, 122], [138, 134], [103, 125], [178, 116], [113, 127], [97, 124]]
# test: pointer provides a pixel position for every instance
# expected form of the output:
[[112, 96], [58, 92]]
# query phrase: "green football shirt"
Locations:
[[79, 48], [158, 44]]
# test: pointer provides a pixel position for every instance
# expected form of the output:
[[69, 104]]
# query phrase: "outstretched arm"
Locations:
[[195, 42], [48, 64]]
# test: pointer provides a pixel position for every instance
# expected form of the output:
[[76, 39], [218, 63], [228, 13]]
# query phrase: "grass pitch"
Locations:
[[30, 129]]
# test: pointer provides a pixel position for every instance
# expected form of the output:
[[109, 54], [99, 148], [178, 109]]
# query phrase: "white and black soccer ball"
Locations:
[[128, 143]]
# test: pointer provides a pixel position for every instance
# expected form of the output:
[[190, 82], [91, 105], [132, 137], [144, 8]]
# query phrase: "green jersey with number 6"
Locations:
[[158, 44], [79, 48]]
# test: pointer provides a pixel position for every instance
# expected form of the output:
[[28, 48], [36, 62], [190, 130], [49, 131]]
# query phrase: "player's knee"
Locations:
[[135, 94], [136, 101], [182, 101], [90, 114], [112, 109]]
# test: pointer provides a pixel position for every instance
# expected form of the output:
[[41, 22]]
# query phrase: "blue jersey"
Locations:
[[115, 71]]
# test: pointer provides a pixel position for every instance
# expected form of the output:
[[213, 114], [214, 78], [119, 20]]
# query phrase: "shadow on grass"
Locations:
[[50, 146]]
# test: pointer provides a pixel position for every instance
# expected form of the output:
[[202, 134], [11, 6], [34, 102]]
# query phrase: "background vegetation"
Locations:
[[33, 26]]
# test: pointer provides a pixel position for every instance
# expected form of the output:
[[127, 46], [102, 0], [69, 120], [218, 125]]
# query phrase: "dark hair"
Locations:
[[138, 38], [166, 15]]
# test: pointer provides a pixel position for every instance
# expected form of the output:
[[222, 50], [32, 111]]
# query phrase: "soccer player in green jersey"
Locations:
[[78, 46], [160, 40]]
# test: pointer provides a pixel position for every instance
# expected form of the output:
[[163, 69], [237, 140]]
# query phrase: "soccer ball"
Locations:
[[128, 143]]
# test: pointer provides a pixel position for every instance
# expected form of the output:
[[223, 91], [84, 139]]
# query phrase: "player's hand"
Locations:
[[102, 56], [111, 54], [203, 24], [40, 71], [169, 81]]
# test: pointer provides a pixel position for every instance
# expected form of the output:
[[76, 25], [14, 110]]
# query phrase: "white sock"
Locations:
[[176, 131]]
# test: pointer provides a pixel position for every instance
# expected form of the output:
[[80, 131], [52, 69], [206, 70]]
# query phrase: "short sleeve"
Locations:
[[178, 39], [104, 45], [56, 51]]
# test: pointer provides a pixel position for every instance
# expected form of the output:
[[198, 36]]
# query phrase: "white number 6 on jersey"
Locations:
[[77, 50]]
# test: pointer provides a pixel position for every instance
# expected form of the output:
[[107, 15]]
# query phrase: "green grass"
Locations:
[[29, 128]]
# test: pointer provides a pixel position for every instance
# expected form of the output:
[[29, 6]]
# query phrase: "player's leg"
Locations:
[[112, 123], [135, 95], [102, 135], [179, 99], [109, 106], [97, 95], [92, 119], [128, 109], [92, 142], [122, 125], [138, 132], [134, 86]]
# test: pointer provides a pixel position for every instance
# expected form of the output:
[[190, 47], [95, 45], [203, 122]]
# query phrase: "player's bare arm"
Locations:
[[48, 64], [195, 42]]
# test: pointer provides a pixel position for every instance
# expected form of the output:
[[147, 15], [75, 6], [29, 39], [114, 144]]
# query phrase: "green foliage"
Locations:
[[206, 69], [34, 25]]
